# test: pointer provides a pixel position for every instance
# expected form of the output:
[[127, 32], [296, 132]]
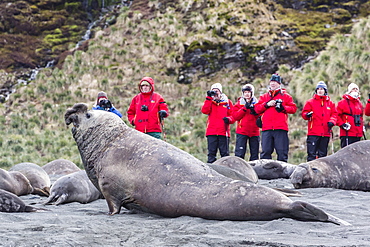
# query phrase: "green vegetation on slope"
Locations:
[[118, 57]]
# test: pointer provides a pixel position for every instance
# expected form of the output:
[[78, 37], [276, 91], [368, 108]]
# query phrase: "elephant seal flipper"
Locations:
[[137, 171], [306, 210]]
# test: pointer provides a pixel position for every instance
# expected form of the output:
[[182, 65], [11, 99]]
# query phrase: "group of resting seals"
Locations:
[[135, 171], [69, 184]]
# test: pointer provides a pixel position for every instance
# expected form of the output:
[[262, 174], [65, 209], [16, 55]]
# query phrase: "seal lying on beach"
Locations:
[[15, 182], [235, 168], [137, 171], [11, 203], [346, 169], [272, 169], [59, 167], [37, 176], [74, 187]]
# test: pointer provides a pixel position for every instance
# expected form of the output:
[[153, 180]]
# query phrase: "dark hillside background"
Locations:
[[184, 45]]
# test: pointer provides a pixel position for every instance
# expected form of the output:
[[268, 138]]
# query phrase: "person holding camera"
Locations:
[[219, 109], [350, 116], [103, 103], [148, 109], [321, 114], [246, 129], [275, 105]]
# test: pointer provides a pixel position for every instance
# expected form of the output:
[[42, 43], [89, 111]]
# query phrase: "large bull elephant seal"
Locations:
[[235, 168], [37, 176], [15, 182], [272, 169], [59, 168], [346, 169], [10, 203], [137, 171], [74, 187]]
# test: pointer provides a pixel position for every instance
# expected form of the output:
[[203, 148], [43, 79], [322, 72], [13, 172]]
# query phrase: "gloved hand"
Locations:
[[369, 95], [247, 105], [346, 126], [162, 114], [271, 103], [330, 125], [226, 120], [211, 93], [279, 108], [309, 114], [133, 123]]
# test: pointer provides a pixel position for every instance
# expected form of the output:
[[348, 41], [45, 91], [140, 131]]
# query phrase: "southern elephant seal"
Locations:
[[74, 187], [235, 168], [11, 203], [137, 171], [15, 182], [37, 176], [272, 169], [346, 169], [58, 168]]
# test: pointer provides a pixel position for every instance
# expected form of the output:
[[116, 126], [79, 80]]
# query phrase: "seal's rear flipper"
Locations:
[[307, 212]]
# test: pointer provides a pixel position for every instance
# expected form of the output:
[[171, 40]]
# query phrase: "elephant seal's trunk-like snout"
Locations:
[[71, 117]]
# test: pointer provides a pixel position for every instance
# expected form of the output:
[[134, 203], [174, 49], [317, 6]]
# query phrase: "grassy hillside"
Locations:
[[150, 42]]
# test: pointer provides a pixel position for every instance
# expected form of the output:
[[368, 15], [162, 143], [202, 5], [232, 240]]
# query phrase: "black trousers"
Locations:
[[275, 139], [346, 140], [241, 146], [317, 146], [217, 142]]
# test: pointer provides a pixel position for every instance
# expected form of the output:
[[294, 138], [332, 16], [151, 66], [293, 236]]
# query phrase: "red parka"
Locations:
[[271, 118], [347, 108], [324, 111], [216, 111], [246, 121], [146, 121], [367, 108]]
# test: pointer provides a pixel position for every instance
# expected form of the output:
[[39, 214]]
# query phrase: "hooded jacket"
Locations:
[[271, 118], [246, 118], [324, 111], [347, 108], [146, 121], [216, 111]]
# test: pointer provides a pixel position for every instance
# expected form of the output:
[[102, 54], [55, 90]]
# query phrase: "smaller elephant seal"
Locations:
[[15, 182], [346, 169], [272, 169], [235, 168], [11, 203], [74, 187], [60, 167], [37, 176]]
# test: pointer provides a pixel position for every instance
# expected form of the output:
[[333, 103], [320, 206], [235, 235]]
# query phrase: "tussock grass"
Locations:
[[33, 118]]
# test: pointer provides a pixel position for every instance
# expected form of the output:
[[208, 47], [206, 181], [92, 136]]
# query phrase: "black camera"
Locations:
[[213, 93], [278, 103], [106, 104], [357, 119], [144, 108]]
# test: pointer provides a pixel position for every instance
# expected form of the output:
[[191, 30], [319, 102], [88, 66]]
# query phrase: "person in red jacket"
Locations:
[[321, 114], [246, 129], [147, 109], [219, 110], [275, 105], [350, 116]]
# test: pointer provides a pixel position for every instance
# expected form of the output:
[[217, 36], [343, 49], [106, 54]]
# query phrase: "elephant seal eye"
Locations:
[[88, 115], [315, 170]]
